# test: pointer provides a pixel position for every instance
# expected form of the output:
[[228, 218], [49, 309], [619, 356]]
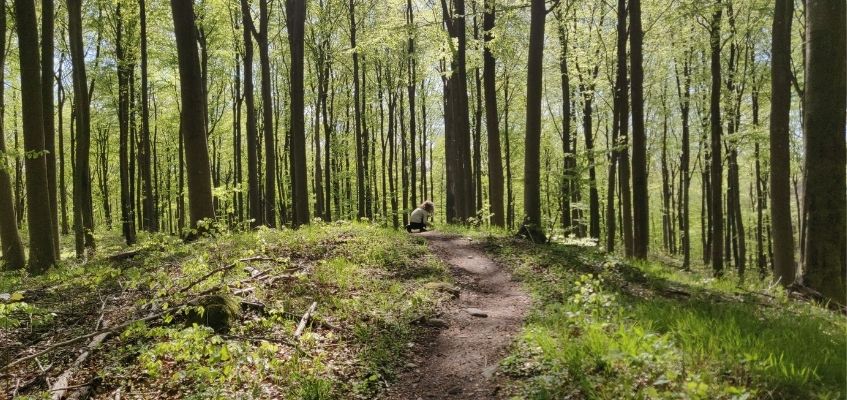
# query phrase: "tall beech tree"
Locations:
[[149, 209], [825, 190], [492, 123], [192, 125], [641, 205], [254, 196], [780, 138], [295, 21], [83, 203], [532, 168], [48, 16], [10, 239], [125, 76], [459, 180], [263, 40], [716, 221], [42, 253]]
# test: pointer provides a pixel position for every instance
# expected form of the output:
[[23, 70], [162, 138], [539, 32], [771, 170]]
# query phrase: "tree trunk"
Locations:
[[124, 76], [622, 102], [410, 87], [63, 202], [684, 93], [780, 158], [460, 188], [47, 78], [191, 118], [269, 205], [254, 195], [825, 194], [360, 162], [588, 132], [532, 184], [568, 163], [492, 124], [42, 253], [150, 213], [715, 168], [83, 207], [10, 239], [641, 207], [510, 201], [296, 19]]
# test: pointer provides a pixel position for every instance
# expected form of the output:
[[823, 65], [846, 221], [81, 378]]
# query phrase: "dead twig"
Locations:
[[303, 321]]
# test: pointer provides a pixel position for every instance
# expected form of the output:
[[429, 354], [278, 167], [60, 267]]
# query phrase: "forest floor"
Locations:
[[358, 311], [478, 326]]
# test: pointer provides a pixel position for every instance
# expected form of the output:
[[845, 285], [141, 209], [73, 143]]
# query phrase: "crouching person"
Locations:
[[419, 219]]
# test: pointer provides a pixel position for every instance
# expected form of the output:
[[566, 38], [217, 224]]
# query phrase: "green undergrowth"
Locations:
[[603, 328], [369, 284]]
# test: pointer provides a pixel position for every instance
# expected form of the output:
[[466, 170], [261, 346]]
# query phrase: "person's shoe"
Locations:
[[423, 230]]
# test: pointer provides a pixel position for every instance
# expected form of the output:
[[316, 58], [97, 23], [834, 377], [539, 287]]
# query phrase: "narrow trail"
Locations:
[[460, 360]]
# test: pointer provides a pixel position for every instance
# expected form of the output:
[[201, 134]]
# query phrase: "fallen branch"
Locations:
[[222, 269], [81, 338], [60, 386], [303, 321]]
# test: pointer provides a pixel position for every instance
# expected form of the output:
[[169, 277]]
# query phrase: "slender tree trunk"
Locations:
[[83, 207], [622, 102], [684, 93], [63, 198], [477, 131], [47, 78], [460, 186], [780, 158], [360, 166], [825, 194], [492, 124], [641, 207], [410, 87], [269, 205], [532, 184], [10, 239], [149, 211], [510, 210], [191, 118], [392, 188], [716, 168], [42, 253], [124, 77], [254, 196], [296, 19], [328, 135], [567, 154]]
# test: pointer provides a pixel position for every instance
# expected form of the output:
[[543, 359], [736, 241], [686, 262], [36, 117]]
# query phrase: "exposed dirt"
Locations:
[[460, 361]]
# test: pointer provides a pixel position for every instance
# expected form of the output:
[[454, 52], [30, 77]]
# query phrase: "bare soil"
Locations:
[[460, 360]]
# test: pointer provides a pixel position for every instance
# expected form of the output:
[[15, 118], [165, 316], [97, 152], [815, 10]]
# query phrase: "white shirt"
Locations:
[[419, 215]]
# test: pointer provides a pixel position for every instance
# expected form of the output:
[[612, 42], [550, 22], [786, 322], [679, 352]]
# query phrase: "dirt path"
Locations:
[[460, 360]]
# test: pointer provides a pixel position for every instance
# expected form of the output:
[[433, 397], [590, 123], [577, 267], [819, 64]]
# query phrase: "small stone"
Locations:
[[411, 365], [476, 312]]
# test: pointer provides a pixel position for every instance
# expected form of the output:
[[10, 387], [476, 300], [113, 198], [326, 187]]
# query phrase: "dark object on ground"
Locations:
[[218, 312], [533, 233]]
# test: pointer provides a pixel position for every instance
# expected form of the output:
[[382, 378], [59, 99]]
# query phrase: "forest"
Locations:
[[210, 199]]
